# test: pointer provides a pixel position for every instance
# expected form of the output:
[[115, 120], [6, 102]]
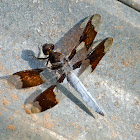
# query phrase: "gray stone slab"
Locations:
[[115, 83], [135, 4]]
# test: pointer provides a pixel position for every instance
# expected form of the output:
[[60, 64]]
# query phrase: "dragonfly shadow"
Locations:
[[74, 99], [4, 77], [28, 56]]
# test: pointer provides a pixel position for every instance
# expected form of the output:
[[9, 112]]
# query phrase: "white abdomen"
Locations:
[[86, 96]]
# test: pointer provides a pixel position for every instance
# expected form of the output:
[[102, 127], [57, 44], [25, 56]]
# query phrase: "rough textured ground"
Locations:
[[115, 83], [132, 3]]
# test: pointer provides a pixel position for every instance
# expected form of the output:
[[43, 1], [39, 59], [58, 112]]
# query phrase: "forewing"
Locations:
[[87, 38], [27, 78], [97, 54], [91, 30], [94, 57]]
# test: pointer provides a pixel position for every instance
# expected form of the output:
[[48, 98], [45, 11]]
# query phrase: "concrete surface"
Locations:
[[135, 4], [115, 83]]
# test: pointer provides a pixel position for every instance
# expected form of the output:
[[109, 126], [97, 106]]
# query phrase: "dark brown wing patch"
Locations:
[[87, 36], [61, 79], [77, 65], [27, 78], [90, 30], [44, 101], [96, 55]]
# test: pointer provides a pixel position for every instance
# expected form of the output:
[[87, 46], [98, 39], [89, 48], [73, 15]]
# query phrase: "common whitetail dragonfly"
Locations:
[[62, 64]]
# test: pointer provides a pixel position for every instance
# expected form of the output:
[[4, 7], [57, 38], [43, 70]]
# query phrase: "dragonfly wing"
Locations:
[[26, 78], [94, 57]]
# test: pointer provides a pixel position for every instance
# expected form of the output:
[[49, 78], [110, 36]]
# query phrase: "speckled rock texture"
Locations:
[[115, 83], [135, 4]]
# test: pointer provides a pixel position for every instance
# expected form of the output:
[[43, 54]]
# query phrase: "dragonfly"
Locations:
[[88, 57]]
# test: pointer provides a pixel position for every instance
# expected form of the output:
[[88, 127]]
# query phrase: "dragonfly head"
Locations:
[[47, 48]]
